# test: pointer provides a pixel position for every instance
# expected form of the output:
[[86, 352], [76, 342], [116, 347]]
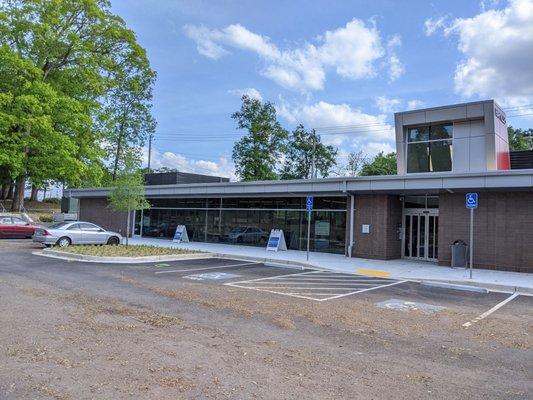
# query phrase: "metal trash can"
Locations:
[[459, 254]]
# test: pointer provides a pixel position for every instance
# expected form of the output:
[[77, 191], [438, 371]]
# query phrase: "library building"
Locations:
[[443, 154]]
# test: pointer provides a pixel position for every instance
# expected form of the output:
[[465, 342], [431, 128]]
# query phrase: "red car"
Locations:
[[15, 227]]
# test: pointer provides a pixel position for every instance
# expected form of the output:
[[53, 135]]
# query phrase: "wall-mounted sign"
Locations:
[[181, 235], [276, 241], [500, 115], [365, 228]]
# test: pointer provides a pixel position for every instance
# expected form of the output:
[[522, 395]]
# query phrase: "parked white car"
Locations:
[[64, 234]]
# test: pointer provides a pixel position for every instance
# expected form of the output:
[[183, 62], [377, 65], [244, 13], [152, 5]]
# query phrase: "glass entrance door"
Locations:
[[420, 239]]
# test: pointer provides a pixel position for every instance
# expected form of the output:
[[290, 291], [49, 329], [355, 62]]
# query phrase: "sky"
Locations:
[[340, 67]]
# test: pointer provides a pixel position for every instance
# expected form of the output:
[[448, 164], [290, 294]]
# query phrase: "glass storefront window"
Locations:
[[252, 226]]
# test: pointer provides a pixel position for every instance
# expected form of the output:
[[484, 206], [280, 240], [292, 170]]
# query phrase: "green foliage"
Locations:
[[46, 218], [52, 200], [382, 164], [128, 192], [61, 63], [520, 139], [257, 154], [302, 147]]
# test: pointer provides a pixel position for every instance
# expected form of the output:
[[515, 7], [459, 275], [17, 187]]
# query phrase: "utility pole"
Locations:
[[150, 137]]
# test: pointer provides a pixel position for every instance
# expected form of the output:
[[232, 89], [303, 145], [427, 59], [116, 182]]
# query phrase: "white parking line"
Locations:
[[206, 268], [315, 285], [367, 290], [495, 308]]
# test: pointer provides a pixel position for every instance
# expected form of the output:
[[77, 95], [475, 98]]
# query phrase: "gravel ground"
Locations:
[[87, 331]]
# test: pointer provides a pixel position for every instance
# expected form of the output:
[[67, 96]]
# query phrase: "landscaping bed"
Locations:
[[123, 250]]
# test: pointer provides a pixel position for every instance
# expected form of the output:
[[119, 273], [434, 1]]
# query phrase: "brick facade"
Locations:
[[503, 226], [384, 215], [97, 210]]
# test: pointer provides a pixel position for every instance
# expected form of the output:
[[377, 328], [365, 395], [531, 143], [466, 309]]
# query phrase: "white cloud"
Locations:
[[222, 167], [432, 25], [250, 92], [488, 4], [373, 148], [387, 105], [497, 46], [391, 105], [415, 104], [352, 51], [395, 66], [342, 126]]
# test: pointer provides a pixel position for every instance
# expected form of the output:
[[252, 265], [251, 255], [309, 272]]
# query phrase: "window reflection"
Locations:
[[430, 148], [251, 226]]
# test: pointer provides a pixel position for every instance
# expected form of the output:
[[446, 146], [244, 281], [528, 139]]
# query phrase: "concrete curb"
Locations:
[[120, 260], [466, 285], [273, 262]]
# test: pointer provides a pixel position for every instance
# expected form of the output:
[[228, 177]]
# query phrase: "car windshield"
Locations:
[[59, 225], [240, 229]]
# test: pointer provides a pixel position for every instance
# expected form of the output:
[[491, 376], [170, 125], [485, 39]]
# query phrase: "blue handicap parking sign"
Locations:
[[471, 200], [309, 203]]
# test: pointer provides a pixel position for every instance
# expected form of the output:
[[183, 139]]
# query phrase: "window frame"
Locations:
[[428, 147]]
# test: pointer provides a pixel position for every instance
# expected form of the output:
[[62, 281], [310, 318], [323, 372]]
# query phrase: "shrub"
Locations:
[[52, 200], [46, 218]]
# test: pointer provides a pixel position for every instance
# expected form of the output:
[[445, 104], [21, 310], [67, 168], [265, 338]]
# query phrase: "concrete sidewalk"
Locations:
[[397, 269]]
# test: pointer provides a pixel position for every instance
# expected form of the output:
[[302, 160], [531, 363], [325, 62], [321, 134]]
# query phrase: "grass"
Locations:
[[123, 250]]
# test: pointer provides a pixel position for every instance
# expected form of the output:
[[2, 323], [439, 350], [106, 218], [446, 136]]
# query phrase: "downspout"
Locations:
[[352, 215], [352, 209]]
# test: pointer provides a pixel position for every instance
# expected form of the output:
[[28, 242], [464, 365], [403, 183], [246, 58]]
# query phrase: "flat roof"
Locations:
[[424, 183], [471, 103]]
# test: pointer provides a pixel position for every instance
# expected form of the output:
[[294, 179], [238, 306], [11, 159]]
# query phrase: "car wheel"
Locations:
[[113, 240], [64, 242]]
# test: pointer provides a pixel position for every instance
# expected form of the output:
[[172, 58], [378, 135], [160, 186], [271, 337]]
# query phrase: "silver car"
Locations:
[[64, 234]]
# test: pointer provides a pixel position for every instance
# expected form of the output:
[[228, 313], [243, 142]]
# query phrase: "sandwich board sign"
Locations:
[[181, 235], [276, 241]]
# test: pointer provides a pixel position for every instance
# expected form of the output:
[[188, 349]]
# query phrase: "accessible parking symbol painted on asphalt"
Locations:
[[212, 276], [402, 305]]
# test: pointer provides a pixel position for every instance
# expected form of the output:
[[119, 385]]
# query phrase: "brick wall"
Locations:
[[384, 215], [96, 210], [503, 229]]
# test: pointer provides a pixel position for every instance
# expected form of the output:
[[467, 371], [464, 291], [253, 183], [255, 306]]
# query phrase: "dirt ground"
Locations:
[[73, 330]]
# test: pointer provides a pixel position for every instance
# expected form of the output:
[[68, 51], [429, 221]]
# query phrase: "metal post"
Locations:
[[352, 209], [308, 232], [471, 240]]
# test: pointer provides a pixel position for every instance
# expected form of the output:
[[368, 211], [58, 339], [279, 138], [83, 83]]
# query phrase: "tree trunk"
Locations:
[[10, 191], [44, 193], [34, 193], [18, 198], [5, 190], [117, 155]]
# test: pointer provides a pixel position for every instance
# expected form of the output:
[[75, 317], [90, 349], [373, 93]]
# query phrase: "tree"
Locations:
[[257, 154], [67, 54], [520, 139], [306, 156], [382, 164], [128, 195], [33, 119], [129, 121], [356, 161]]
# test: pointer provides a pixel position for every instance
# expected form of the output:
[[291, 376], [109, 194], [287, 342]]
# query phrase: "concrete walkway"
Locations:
[[398, 269]]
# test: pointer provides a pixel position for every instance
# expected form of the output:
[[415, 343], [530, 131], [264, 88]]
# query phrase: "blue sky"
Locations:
[[345, 65]]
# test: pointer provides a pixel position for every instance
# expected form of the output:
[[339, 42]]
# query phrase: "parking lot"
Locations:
[[223, 328]]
